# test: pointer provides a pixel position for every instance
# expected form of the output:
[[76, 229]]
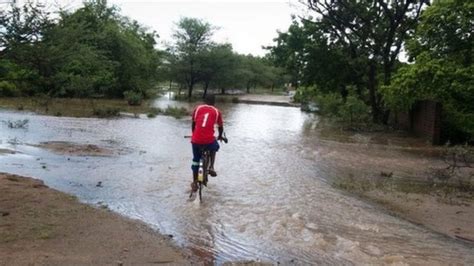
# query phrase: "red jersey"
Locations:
[[205, 117]]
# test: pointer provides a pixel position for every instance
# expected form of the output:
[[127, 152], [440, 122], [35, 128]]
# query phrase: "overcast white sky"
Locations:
[[246, 24]]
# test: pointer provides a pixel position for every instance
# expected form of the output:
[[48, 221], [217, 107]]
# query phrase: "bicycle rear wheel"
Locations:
[[205, 172], [200, 191], [206, 163]]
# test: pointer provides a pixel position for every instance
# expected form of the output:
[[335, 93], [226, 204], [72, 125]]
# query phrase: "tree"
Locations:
[[371, 31], [21, 34], [251, 71], [307, 54], [192, 37], [217, 67], [91, 52], [289, 51], [442, 49]]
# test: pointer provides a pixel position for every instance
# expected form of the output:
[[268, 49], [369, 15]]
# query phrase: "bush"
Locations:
[[106, 112], [459, 172], [354, 112], [133, 97], [154, 112], [176, 112], [8, 89], [456, 126], [350, 111], [305, 95], [329, 104]]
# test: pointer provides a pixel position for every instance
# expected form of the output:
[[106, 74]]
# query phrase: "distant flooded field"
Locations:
[[71, 107]]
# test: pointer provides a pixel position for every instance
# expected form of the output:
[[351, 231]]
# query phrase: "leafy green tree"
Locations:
[[21, 34], [192, 37], [118, 54], [91, 52], [442, 49], [308, 55], [252, 72], [289, 51], [364, 36], [217, 67]]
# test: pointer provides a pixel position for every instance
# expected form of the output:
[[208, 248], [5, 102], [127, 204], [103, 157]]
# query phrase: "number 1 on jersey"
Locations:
[[205, 120]]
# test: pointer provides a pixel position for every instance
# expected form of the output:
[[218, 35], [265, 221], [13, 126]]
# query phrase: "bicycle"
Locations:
[[203, 171]]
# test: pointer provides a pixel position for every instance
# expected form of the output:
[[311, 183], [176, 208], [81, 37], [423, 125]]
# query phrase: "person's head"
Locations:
[[210, 99]]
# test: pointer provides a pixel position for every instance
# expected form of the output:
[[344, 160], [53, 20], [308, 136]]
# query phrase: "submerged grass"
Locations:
[[389, 184], [74, 107], [176, 112]]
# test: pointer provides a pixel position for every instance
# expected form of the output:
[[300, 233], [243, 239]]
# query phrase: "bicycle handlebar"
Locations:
[[224, 138]]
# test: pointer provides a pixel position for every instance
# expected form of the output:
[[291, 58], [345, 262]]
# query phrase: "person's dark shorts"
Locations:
[[214, 146]]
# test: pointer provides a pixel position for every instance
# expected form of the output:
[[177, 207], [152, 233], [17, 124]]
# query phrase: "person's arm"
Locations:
[[193, 124], [221, 130], [220, 124]]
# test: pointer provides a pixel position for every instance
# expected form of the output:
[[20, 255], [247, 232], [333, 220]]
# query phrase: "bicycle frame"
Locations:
[[203, 171]]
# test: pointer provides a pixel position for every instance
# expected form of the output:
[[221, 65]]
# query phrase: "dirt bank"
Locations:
[[404, 175], [404, 181], [39, 225], [451, 215]]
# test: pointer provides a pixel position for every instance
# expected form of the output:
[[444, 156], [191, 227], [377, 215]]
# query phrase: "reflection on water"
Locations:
[[270, 202]]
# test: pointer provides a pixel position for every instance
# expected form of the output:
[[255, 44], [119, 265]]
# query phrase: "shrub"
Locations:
[[351, 111], [133, 97], [329, 104], [176, 112], [459, 172], [154, 112], [456, 126], [354, 111], [8, 89], [106, 112], [305, 94]]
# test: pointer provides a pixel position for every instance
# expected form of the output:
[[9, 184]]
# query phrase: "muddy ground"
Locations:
[[405, 180], [450, 215], [42, 226]]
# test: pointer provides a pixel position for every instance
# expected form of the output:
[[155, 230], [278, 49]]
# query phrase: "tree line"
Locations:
[[347, 55], [353, 50], [94, 51], [195, 59]]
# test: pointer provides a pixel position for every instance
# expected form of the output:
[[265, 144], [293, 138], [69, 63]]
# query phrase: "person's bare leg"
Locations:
[[211, 166], [194, 183], [213, 159]]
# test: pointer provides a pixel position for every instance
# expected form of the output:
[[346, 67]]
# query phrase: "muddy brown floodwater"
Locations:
[[272, 200]]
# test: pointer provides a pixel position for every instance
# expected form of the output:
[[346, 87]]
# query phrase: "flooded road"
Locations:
[[271, 201]]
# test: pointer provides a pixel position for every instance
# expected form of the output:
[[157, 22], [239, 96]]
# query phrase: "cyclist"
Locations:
[[205, 117]]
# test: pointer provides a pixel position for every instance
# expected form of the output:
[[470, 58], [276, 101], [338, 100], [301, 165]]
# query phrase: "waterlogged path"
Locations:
[[271, 201]]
